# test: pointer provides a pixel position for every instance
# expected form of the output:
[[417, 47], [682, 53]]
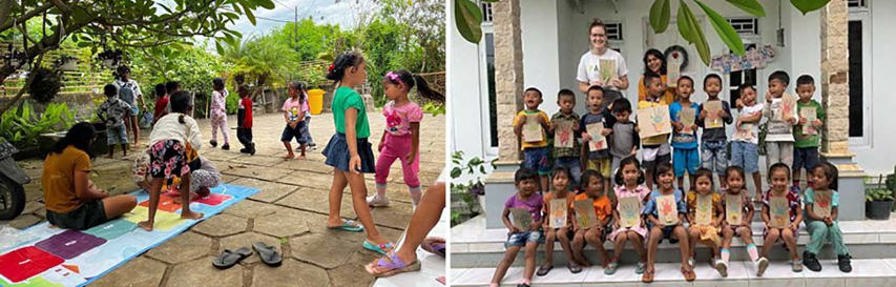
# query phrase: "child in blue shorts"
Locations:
[[685, 155], [535, 150], [526, 181], [745, 141]]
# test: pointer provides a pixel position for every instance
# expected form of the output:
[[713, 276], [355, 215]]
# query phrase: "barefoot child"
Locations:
[[714, 141], [167, 154], [593, 190], [655, 149], [294, 109], [788, 227], [529, 200], [705, 216], [685, 156], [745, 141], [822, 206], [113, 112], [629, 184], [401, 138], [672, 227], [244, 121], [566, 156], [349, 152], [736, 195], [805, 148], [536, 152], [219, 113], [598, 160], [559, 191]]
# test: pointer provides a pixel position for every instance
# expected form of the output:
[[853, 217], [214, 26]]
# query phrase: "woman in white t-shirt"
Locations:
[[590, 71]]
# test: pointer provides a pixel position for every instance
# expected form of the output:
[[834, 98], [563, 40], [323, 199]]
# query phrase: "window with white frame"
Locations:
[[735, 79], [745, 25], [487, 15]]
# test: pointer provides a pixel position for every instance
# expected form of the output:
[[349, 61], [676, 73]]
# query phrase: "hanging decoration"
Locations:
[[754, 58], [676, 60]]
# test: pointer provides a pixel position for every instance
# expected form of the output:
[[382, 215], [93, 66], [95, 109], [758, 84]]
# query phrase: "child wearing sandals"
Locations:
[[526, 181], [349, 152], [779, 180], [560, 180], [707, 234], [660, 230], [736, 178], [593, 186], [167, 154], [401, 138], [629, 183], [294, 110], [823, 226]]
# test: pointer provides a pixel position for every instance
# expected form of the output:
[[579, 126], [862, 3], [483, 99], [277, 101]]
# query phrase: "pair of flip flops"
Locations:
[[228, 258]]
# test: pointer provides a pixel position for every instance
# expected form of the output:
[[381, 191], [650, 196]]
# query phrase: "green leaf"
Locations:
[[724, 29], [659, 15], [468, 17], [456, 172], [750, 6], [807, 6], [249, 15], [219, 48], [691, 31], [266, 4]]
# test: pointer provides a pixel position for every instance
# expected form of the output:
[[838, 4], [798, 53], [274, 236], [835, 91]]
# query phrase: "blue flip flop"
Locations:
[[348, 225], [379, 248]]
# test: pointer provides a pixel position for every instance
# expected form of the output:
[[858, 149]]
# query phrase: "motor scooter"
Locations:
[[12, 181]]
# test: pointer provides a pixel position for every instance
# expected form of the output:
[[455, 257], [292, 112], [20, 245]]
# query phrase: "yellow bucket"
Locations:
[[316, 101]]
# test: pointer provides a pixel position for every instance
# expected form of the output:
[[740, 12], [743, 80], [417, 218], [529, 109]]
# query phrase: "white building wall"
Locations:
[[465, 99], [880, 157], [538, 19]]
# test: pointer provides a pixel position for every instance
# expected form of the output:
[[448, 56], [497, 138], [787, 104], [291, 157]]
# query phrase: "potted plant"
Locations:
[[878, 201], [465, 196]]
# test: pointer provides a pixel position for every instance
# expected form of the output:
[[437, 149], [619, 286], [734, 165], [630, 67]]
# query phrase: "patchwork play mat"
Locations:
[[47, 256]]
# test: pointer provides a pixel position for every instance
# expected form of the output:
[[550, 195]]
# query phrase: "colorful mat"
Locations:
[[47, 256]]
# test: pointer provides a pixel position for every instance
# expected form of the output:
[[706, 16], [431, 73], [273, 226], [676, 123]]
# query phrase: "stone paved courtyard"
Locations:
[[290, 212]]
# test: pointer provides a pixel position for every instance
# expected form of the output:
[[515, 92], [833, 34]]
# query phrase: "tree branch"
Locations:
[[26, 16], [25, 87]]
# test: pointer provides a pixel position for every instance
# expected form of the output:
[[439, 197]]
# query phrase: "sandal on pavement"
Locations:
[[574, 268], [390, 265], [379, 248], [228, 258], [434, 245], [348, 225], [647, 277], [544, 269], [268, 254]]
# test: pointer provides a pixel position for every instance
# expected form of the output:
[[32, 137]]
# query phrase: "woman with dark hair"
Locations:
[[655, 62], [72, 200]]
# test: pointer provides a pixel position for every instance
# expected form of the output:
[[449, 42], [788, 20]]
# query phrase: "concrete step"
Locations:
[[866, 272], [474, 246]]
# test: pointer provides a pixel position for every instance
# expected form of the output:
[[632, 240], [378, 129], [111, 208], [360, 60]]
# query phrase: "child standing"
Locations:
[[560, 181], [112, 112], [593, 186], [684, 137], [129, 92], [624, 139], [823, 226], [659, 230], [779, 179], [535, 152], [526, 181], [781, 117], [745, 141], [244, 121], [401, 138], [567, 157], [167, 153], [294, 109], [219, 113], [805, 153], [598, 160], [706, 233], [714, 147], [656, 148], [349, 152], [629, 183], [737, 189], [161, 103]]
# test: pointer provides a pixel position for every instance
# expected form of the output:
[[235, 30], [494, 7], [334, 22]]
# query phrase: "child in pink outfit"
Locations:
[[219, 113], [401, 137]]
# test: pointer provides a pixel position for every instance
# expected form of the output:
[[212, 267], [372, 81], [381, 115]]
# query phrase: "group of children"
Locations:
[[646, 205]]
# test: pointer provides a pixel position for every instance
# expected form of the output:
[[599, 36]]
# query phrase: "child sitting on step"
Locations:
[[560, 191], [822, 206], [528, 236]]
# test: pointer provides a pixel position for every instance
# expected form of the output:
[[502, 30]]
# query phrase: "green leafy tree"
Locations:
[[468, 18]]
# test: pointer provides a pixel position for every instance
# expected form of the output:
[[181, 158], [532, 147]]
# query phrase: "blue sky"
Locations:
[[343, 12]]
